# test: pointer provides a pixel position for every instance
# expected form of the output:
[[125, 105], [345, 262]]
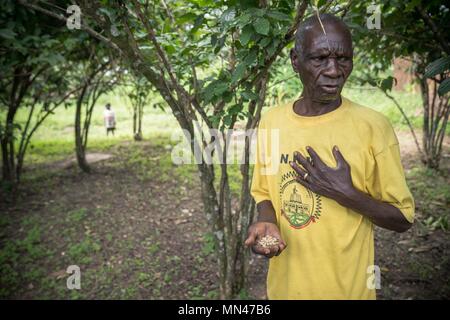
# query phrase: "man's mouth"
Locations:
[[330, 88]]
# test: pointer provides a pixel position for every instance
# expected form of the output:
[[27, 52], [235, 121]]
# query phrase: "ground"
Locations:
[[135, 228]]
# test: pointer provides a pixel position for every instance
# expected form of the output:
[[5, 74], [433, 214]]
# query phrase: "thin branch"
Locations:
[[407, 121], [426, 18], [62, 18]]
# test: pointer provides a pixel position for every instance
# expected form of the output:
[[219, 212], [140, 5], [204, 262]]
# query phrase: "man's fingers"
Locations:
[[315, 157], [340, 160], [303, 182], [269, 252], [302, 160], [251, 238], [260, 250], [272, 251], [297, 168]]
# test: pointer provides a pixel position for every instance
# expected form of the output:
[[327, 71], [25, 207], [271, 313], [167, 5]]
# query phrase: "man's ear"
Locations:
[[294, 60]]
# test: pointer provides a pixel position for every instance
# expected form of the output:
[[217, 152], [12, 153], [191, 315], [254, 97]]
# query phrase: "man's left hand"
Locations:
[[335, 183]]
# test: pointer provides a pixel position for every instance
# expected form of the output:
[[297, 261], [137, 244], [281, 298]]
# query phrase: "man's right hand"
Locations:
[[259, 230]]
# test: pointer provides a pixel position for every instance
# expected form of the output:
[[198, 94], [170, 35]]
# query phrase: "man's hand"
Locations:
[[259, 230], [334, 183]]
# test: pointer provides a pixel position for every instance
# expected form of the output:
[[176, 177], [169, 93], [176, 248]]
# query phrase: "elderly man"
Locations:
[[339, 173]]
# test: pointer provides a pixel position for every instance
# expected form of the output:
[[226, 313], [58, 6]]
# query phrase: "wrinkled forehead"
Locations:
[[336, 39]]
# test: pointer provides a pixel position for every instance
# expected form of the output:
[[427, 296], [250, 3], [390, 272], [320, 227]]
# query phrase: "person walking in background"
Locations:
[[110, 119]]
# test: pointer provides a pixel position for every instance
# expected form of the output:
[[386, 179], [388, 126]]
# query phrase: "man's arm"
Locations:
[[336, 183], [380, 213], [266, 212]]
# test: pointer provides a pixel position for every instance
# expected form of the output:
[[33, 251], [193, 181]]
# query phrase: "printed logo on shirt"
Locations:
[[299, 205]]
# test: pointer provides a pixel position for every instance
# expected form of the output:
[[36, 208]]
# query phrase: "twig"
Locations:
[[407, 121], [426, 18], [62, 18]]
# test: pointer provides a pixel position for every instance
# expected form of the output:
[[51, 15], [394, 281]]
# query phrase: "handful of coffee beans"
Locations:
[[268, 241]]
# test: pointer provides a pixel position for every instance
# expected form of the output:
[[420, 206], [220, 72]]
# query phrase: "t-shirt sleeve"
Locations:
[[387, 182], [259, 187]]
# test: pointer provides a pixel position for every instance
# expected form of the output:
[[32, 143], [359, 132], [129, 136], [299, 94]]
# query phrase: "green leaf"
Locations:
[[227, 120], [262, 26], [213, 40], [244, 19], [220, 88], [280, 16], [444, 87], [219, 44], [246, 35], [238, 72], [198, 22], [235, 109], [320, 3], [257, 12], [7, 34], [265, 42], [228, 15], [186, 17], [250, 58], [437, 67], [208, 95], [386, 84], [273, 47], [249, 95]]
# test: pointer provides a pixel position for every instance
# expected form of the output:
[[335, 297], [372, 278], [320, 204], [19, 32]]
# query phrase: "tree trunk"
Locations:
[[80, 149], [141, 114], [7, 145], [137, 121], [436, 112], [8, 166]]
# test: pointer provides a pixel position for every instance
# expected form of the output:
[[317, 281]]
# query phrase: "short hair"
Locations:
[[108, 105], [308, 23]]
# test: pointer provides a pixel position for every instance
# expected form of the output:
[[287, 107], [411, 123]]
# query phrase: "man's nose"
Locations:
[[332, 68]]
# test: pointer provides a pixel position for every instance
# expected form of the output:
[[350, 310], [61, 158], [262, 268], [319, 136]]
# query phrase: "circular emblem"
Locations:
[[299, 205]]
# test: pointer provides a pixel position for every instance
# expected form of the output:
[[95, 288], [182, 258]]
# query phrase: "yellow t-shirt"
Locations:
[[330, 248]]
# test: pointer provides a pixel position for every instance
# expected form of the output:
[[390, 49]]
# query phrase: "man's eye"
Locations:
[[343, 59], [318, 59]]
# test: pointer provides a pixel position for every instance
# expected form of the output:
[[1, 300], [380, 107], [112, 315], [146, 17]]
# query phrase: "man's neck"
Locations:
[[307, 107]]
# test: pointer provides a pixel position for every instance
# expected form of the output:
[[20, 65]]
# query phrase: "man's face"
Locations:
[[325, 62]]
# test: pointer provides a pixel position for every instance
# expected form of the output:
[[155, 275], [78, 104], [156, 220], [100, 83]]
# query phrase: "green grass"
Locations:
[[431, 191], [77, 215], [410, 102], [54, 140], [81, 252]]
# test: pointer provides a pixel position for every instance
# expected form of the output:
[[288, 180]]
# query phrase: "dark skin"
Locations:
[[324, 65]]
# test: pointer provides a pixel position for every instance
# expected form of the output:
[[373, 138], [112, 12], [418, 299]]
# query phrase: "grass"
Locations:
[[431, 191]]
